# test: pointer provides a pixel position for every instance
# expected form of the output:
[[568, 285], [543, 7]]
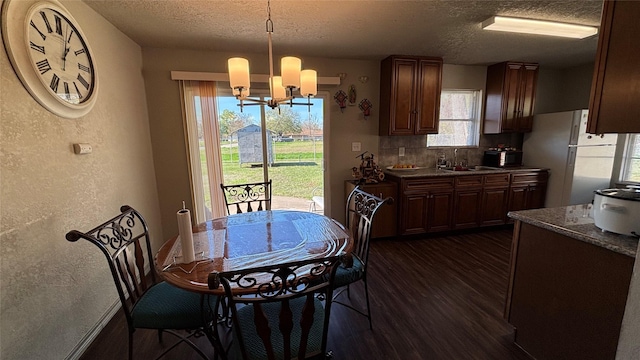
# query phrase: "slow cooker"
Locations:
[[618, 210]]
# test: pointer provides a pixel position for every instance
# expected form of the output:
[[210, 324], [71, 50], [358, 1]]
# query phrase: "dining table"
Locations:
[[246, 240]]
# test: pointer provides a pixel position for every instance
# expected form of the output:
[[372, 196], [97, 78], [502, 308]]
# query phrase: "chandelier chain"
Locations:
[[285, 92], [269, 22]]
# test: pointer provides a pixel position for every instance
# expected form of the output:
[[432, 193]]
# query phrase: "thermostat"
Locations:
[[82, 149]]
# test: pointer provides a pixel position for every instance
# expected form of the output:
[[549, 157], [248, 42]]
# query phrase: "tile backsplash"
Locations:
[[416, 151]]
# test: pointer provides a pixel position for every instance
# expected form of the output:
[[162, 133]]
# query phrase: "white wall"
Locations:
[[462, 77], [54, 292], [563, 89]]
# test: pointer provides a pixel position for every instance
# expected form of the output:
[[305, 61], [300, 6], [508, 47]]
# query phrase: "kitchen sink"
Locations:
[[481, 167], [459, 170], [473, 168]]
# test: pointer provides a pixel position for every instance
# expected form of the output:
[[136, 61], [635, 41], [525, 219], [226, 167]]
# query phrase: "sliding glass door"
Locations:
[[284, 145]]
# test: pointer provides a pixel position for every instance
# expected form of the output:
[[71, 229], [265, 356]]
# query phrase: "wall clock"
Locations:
[[50, 55]]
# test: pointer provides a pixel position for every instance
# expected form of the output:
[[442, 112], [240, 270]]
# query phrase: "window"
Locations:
[[459, 119], [631, 164]]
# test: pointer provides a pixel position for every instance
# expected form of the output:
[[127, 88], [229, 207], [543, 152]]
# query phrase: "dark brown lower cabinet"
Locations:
[[528, 190], [426, 212], [441, 203], [566, 298], [466, 209], [439, 210], [414, 213], [480, 200], [426, 205], [494, 205], [468, 199]]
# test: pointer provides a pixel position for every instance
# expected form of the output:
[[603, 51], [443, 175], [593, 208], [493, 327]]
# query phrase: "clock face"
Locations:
[[59, 55], [50, 55]]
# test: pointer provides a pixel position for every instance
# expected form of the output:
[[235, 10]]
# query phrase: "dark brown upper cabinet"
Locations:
[[410, 89], [511, 93], [614, 106]]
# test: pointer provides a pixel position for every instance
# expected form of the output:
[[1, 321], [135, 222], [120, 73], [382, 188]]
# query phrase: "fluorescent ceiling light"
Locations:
[[538, 27]]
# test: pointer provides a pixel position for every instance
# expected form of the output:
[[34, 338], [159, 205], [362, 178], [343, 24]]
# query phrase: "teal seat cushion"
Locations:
[[164, 306], [346, 276], [254, 345]]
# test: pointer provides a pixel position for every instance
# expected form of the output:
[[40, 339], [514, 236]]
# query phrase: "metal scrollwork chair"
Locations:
[[149, 304], [283, 319], [247, 197], [360, 211]]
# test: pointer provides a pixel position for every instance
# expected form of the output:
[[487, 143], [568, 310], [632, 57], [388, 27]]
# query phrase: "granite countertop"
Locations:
[[425, 172], [576, 222]]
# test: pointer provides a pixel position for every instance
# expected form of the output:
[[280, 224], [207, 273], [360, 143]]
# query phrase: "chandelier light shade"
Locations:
[[308, 83], [282, 87], [278, 92], [538, 27], [290, 68], [239, 73]]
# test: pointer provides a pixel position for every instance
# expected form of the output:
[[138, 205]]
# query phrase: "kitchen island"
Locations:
[[568, 284]]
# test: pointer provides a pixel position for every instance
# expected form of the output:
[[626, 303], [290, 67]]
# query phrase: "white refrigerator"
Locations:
[[578, 163]]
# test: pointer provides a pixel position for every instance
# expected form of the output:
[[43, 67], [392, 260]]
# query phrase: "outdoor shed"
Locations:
[[250, 145]]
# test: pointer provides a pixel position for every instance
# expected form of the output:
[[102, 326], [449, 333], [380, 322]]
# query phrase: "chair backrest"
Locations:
[[124, 241], [247, 197], [360, 211], [283, 284]]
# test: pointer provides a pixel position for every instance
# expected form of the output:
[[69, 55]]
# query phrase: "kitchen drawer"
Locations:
[[469, 181], [529, 177], [496, 179], [429, 183]]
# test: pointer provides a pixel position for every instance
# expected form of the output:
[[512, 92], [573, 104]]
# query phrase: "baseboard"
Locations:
[[86, 341]]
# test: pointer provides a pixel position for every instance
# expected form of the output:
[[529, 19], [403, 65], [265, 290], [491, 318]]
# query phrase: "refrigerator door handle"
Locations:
[[574, 133], [572, 159]]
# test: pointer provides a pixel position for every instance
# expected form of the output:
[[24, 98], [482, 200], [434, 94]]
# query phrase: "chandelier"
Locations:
[[280, 87]]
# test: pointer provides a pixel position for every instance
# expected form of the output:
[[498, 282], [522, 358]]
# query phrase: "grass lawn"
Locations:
[[296, 172], [289, 179]]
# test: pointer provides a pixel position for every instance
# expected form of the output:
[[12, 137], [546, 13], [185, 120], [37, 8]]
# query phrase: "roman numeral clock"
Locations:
[[50, 55]]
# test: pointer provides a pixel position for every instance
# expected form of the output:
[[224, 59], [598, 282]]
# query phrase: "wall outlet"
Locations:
[[356, 146], [401, 151], [82, 149]]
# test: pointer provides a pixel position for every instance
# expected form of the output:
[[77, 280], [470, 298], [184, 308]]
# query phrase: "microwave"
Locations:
[[508, 158]]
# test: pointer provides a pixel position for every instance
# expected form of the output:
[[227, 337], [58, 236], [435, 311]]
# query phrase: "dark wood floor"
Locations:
[[432, 298]]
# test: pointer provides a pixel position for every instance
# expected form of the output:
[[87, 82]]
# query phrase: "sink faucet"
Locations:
[[455, 157]]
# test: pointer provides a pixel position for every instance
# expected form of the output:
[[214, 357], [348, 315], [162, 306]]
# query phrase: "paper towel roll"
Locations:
[[186, 236]]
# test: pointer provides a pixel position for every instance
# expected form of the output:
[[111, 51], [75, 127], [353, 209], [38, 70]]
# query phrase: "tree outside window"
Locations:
[[283, 121], [631, 169]]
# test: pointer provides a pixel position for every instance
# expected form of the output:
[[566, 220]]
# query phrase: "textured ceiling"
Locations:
[[357, 29]]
